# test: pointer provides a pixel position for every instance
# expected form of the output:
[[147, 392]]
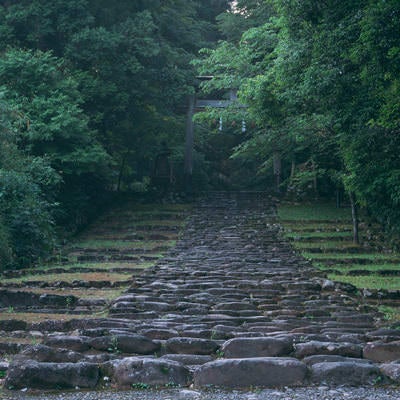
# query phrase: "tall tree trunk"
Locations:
[[292, 170], [277, 161], [315, 181], [189, 141], [121, 172], [354, 214]]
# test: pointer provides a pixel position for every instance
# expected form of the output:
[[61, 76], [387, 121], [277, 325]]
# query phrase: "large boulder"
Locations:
[[24, 373], [246, 347], [328, 348], [382, 352], [131, 371], [345, 373], [246, 372]]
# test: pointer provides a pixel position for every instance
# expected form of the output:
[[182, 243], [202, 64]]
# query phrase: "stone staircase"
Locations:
[[231, 305]]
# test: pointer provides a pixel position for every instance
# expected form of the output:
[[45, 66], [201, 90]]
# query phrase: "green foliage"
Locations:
[[27, 218], [27, 198], [321, 82], [88, 91], [37, 84], [6, 255]]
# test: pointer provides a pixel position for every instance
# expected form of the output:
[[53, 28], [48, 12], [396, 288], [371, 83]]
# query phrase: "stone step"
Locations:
[[232, 305]]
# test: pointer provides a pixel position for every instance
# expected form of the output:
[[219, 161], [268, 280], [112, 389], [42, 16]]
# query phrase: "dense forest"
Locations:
[[90, 90]]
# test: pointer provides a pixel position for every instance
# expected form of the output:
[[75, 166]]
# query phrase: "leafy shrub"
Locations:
[[27, 218], [6, 254]]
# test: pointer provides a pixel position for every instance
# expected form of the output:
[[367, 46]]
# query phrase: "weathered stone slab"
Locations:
[[382, 352], [188, 359], [332, 358], [150, 371], [74, 343], [246, 347], [160, 334], [384, 334], [189, 345], [33, 374], [125, 343], [345, 373], [332, 348], [43, 353], [392, 371], [246, 372]]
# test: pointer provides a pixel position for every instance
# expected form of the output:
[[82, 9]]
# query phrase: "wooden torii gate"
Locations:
[[198, 105]]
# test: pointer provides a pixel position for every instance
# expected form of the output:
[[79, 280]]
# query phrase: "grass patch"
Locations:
[[22, 340], [66, 277], [318, 235], [313, 212], [313, 227], [39, 317], [350, 256], [98, 265], [326, 245], [122, 244], [107, 294], [369, 281], [391, 314], [356, 267]]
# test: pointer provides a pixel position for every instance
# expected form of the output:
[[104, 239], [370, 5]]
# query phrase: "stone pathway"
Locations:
[[232, 305]]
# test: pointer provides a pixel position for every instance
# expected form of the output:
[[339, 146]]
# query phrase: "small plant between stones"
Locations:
[[114, 345], [140, 386], [219, 353], [171, 385]]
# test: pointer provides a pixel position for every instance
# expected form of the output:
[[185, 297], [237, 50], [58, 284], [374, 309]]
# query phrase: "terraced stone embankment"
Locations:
[[231, 305], [80, 283]]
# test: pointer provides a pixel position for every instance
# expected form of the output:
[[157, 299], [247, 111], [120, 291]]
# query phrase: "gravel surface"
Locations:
[[317, 393]]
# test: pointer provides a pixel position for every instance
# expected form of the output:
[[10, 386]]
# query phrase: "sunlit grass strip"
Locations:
[[313, 212], [70, 277], [369, 281], [350, 256], [39, 317], [326, 245], [86, 293], [356, 267], [318, 235], [312, 227], [122, 244]]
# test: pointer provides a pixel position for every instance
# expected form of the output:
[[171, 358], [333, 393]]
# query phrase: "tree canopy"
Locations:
[[89, 90], [321, 83]]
